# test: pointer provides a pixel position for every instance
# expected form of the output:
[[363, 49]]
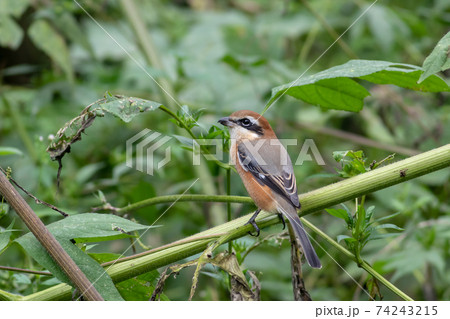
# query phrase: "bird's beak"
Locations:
[[225, 121]]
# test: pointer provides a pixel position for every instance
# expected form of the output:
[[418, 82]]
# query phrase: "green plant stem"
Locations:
[[230, 244], [28, 271], [47, 240], [331, 31], [148, 47], [363, 264], [154, 250], [185, 198], [308, 43], [7, 296], [21, 130], [313, 201]]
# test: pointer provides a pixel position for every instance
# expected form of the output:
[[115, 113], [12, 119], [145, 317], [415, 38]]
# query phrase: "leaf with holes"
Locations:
[[123, 107]]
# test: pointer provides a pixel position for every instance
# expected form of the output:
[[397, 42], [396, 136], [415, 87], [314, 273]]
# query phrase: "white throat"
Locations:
[[239, 133]]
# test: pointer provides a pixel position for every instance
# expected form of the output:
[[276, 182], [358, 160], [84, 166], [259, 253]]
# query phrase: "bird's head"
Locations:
[[247, 124]]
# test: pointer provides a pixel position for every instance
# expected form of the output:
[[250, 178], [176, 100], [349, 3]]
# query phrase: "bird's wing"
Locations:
[[266, 165]]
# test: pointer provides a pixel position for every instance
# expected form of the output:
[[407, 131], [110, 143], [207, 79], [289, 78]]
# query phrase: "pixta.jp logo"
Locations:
[[148, 145]]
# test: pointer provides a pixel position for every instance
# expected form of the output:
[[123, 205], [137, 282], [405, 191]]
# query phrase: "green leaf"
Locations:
[[339, 155], [21, 279], [123, 107], [11, 33], [389, 226], [185, 141], [93, 271], [385, 217], [66, 22], [14, 8], [338, 93], [140, 288], [336, 87], [4, 236], [407, 79], [375, 236], [438, 60], [10, 151], [104, 257], [346, 238], [414, 257], [4, 209], [91, 227], [85, 228], [339, 213], [52, 43]]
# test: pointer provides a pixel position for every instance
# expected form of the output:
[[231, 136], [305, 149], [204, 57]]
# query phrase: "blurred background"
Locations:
[[57, 57]]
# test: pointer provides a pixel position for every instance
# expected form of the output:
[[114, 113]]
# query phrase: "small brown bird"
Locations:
[[266, 170]]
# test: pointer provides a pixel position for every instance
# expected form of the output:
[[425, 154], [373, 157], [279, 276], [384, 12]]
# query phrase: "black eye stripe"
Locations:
[[251, 126]]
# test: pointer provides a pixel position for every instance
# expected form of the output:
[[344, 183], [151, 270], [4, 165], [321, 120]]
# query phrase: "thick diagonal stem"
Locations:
[[314, 201]]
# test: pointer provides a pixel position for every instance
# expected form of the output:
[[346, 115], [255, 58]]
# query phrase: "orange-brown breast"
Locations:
[[261, 194]]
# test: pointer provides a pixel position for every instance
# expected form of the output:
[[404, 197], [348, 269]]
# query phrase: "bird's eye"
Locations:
[[246, 122]]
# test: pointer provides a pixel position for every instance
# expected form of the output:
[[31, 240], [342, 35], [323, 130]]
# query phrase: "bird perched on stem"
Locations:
[[266, 170]]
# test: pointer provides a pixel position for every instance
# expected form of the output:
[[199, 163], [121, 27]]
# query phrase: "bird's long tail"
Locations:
[[300, 233]]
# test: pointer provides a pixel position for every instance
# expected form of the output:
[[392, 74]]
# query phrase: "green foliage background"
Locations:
[[219, 57]]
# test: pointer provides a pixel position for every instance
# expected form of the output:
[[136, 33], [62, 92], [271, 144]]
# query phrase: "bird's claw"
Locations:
[[252, 222]]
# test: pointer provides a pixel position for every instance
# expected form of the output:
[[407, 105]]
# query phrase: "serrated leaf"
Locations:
[[407, 79], [438, 60], [336, 87], [338, 93], [339, 155], [10, 151], [52, 43]]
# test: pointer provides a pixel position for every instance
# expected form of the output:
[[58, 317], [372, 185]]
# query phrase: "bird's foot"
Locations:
[[255, 227], [252, 222]]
